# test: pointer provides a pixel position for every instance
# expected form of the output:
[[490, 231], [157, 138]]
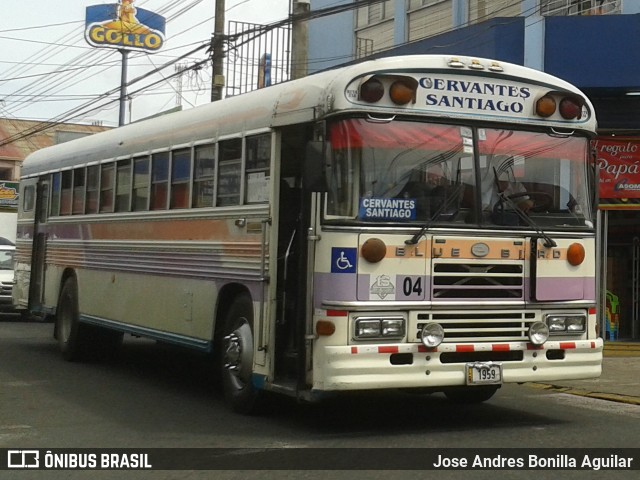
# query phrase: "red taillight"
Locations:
[[570, 108], [372, 90], [402, 90]]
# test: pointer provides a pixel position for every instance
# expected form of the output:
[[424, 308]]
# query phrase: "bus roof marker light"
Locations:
[[455, 63], [373, 250], [496, 67], [570, 108], [372, 90], [476, 65], [403, 91], [546, 106]]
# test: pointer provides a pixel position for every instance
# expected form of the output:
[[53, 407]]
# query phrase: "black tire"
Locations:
[[236, 359], [471, 394], [77, 341], [70, 334]]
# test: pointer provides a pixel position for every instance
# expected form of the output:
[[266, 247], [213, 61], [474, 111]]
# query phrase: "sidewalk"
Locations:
[[620, 379]]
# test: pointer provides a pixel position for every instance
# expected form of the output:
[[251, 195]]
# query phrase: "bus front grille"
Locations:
[[482, 280], [462, 327]]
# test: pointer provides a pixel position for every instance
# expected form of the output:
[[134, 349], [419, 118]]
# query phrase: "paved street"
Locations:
[[152, 396]]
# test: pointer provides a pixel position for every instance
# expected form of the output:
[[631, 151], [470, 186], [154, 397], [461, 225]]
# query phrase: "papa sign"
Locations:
[[123, 26]]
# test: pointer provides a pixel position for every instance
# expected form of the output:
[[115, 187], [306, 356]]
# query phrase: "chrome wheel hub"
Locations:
[[238, 354]]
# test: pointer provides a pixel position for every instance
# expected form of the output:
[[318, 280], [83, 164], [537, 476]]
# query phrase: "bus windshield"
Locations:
[[409, 171]]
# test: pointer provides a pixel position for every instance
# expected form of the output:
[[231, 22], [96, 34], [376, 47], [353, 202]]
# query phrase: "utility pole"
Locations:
[[299, 38], [180, 68], [217, 50], [123, 87]]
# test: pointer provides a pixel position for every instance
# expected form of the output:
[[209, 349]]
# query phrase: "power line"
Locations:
[[96, 105], [82, 109], [78, 111]]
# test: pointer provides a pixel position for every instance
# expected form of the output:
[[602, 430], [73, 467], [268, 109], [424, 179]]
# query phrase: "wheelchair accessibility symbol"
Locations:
[[343, 260]]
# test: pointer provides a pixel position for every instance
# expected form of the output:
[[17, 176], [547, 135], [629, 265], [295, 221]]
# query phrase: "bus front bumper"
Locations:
[[365, 367]]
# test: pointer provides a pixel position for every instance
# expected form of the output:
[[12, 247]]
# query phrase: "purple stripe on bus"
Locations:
[[559, 288], [335, 287]]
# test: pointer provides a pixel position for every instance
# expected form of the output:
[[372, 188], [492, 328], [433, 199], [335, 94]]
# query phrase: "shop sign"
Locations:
[[9, 195], [619, 167], [124, 26]]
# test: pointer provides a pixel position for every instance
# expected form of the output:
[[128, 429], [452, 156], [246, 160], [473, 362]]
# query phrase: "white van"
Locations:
[[7, 251]]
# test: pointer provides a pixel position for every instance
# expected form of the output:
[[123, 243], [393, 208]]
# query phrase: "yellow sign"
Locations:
[[124, 26]]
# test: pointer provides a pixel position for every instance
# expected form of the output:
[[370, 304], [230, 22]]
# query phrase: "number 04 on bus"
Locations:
[[419, 222]]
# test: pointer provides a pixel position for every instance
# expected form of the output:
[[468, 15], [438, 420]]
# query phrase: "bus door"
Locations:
[[36, 283], [291, 266]]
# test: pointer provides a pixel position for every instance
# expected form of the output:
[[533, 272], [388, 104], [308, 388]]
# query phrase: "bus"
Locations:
[[417, 222]]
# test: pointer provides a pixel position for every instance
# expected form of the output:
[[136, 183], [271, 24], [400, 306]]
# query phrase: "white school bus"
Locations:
[[415, 222]]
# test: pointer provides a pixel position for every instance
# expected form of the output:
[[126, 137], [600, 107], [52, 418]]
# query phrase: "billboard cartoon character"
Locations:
[[127, 21]]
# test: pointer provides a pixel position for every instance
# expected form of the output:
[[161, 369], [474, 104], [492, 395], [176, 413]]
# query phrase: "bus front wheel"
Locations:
[[237, 356]]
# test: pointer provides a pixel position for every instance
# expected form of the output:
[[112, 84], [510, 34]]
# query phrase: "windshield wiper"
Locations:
[[548, 241], [448, 201]]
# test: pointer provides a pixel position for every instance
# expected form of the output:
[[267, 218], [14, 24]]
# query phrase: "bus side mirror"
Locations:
[[314, 177]]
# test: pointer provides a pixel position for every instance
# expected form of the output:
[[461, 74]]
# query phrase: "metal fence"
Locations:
[[580, 7], [257, 56]]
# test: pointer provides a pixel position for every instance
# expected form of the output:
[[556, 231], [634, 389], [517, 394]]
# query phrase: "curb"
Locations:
[[621, 349], [612, 397]]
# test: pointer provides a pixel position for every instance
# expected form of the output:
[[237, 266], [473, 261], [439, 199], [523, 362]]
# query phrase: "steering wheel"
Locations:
[[542, 201]]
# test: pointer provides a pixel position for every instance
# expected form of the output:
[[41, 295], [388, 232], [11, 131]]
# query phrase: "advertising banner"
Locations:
[[619, 167], [9, 195], [124, 26]]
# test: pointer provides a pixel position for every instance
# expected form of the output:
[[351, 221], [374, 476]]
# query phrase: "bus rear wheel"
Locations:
[[77, 341], [471, 394], [70, 334], [237, 356]]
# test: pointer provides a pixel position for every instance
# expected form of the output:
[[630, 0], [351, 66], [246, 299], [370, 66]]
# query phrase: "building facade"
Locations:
[[594, 44], [18, 138]]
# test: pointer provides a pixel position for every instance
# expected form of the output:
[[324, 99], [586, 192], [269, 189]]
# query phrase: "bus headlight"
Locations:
[[566, 323], [432, 335], [368, 328], [538, 333]]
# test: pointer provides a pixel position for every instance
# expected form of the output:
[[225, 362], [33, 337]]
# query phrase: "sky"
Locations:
[[48, 70]]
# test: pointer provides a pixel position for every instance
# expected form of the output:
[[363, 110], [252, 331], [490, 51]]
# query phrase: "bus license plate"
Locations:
[[483, 373]]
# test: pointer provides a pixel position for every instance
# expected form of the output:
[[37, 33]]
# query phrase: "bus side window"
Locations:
[[106, 187], [180, 177], [258, 161], [159, 181], [123, 186], [140, 184], [78, 191], [28, 198], [67, 192], [204, 176], [229, 171], [55, 194], [93, 181]]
